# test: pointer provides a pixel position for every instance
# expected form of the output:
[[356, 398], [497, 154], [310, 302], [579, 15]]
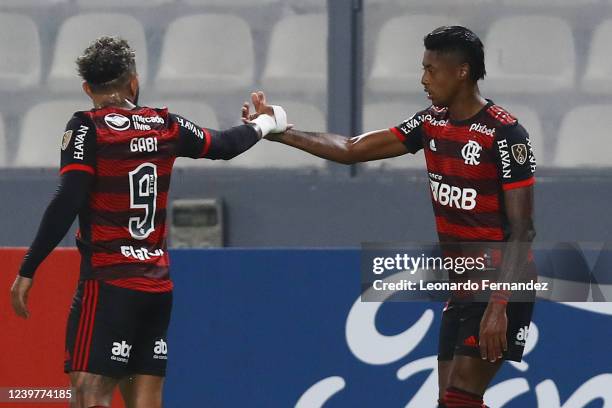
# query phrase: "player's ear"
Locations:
[[464, 71], [87, 89], [134, 84]]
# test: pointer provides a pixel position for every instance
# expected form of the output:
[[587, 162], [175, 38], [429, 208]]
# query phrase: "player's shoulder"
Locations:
[[505, 124], [161, 111], [499, 117], [80, 118]]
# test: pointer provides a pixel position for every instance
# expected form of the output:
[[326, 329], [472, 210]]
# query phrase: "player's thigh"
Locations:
[[100, 330], [91, 389], [142, 391], [472, 374]]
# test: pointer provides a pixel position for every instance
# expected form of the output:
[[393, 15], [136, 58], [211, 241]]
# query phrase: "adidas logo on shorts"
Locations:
[[121, 351], [521, 336], [160, 350]]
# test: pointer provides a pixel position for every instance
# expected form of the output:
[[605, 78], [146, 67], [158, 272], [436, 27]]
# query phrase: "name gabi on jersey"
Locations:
[[190, 126], [451, 196], [79, 141], [142, 122], [143, 144], [141, 254]]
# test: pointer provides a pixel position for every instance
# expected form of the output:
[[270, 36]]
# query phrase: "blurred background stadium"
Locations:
[[548, 62], [269, 328]]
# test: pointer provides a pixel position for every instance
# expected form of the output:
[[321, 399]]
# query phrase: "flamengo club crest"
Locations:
[[519, 152], [471, 153]]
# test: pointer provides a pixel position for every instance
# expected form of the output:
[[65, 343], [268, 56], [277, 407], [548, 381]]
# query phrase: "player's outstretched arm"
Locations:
[[375, 145], [380, 144], [199, 142], [60, 214]]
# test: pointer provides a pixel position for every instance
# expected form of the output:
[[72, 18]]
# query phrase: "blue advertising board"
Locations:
[[284, 328]]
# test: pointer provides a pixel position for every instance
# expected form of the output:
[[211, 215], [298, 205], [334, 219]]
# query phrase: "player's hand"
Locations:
[[19, 296], [261, 107], [493, 327]]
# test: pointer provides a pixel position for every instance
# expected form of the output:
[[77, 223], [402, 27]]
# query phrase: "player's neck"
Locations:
[[466, 105], [115, 99]]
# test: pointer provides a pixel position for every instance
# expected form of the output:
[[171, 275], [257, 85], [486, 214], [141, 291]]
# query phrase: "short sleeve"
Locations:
[[193, 140], [78, 146], [410, 132], [515, 159]]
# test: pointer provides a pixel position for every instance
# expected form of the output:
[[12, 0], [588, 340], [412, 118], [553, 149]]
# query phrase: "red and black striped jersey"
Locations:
[[122, 228], [470, 163]]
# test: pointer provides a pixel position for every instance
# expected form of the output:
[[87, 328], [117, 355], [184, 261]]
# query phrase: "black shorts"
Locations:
[[460, 329], [117, 332]]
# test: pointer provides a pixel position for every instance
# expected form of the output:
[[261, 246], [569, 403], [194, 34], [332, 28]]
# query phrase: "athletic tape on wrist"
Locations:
[[280, 117], [266, 123]]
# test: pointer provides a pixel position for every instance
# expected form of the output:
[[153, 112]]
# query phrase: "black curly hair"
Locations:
[[107, 64], [462, 41]]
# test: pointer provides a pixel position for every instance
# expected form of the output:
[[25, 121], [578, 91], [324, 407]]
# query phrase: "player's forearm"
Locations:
[[325, 145], [229, 143], [515, 259], [58, 217]]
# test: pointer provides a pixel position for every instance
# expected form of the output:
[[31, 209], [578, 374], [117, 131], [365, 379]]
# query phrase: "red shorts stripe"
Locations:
[[76, 350], [96, 289], [83, 334], [518, 184], [88, 322], [77, 167]]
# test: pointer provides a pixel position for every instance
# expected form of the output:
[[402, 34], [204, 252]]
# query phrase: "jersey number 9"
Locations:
[[143, 196]]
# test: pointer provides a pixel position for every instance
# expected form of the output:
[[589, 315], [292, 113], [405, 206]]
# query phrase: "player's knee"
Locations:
[[91, 390]]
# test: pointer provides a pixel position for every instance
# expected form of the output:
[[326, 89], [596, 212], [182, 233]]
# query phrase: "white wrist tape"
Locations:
[[266, 123], [280, 117]]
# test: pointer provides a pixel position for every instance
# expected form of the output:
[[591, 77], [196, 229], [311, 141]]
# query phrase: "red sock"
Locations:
[[458, 398]]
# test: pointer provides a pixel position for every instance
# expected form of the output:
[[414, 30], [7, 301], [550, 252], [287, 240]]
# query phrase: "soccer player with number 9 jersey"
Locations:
[[116, 164]]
